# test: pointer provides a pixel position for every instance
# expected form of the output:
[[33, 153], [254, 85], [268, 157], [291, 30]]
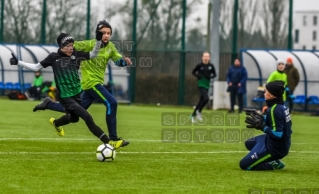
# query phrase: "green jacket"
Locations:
[[292, 76], [276, 75], [38, 81]]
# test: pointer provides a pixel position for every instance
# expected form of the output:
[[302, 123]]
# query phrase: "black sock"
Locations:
[[64, 120], [104, 138]]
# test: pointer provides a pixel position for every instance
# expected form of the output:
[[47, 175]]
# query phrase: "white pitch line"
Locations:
[[120, 152], [91, 139]]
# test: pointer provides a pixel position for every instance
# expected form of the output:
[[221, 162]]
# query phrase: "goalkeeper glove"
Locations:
[[98, 35], [13, 60], [252, 111], [254, 121]]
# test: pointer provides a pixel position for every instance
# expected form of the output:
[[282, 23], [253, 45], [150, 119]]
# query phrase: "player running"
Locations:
[[65, 64], [204, 72], [93, 71]]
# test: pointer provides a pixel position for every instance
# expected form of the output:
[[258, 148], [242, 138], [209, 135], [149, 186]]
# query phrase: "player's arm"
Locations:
[[195, 71], [31, 66], [84, 45], [278, 120], [117, 58], [95, 50]]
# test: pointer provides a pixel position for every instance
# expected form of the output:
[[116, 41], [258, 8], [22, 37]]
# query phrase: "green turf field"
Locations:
[[34, 159]]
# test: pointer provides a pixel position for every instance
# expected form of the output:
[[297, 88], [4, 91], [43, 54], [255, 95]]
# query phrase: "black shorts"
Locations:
[[71, 103]]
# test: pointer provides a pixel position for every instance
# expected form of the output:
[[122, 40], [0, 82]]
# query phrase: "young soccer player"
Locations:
[[266, 150], [204, 71], [279, 74], [93, 71], [65, 64]]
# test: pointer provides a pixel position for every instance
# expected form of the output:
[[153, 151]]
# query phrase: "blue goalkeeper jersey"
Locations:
[[278, 130]]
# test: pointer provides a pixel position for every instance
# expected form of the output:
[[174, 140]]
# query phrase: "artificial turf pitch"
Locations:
[[34, 159]]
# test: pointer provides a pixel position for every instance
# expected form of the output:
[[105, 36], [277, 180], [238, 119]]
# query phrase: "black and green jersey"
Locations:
[[204, 72], [66, 71]]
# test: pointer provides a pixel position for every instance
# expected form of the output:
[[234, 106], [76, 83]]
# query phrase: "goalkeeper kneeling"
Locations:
[[266, 150]]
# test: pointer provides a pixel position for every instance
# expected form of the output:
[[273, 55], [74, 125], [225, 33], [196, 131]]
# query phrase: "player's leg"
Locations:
[[99, 92], [258, 158], [47, 103], [86, 100], [198, 104], [95, 130], [205, 99], [251, 142], [68, 104]]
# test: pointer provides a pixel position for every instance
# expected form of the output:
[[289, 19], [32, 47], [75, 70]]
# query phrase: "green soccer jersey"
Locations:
[[93, 70], [278, 76], [38, 81], [65, 70]]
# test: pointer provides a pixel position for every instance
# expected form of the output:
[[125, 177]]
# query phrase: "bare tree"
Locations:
[[18, 20], [65, 16], [247, 22], [274, 21]]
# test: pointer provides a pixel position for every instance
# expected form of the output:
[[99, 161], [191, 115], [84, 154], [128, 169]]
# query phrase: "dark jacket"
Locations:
[[278, 130], [237, 75], [292, 77]]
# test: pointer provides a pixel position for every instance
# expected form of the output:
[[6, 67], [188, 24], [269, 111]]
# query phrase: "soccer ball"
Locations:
[[105, 152]]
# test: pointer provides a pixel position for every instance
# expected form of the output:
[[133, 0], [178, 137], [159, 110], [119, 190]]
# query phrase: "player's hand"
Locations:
[[254, 121], [98, 35], [250, 111], [230, 84], [127, 61], [13, 60]]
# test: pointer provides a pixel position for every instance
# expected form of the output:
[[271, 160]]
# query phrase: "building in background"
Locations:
[[306, 30]]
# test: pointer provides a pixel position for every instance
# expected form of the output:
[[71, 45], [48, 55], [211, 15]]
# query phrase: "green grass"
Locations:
[[34, 159]]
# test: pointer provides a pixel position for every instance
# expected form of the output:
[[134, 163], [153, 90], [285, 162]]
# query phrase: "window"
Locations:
[[314, 35], [314, 48], [314, 20], [304, 21], [304, 47], [296, 36]]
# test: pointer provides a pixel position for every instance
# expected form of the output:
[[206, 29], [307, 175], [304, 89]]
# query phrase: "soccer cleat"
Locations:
[[193, 119], [42, 105], [277, 164], [59, 130], [125, 143], [116, 144], [199, 115]]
